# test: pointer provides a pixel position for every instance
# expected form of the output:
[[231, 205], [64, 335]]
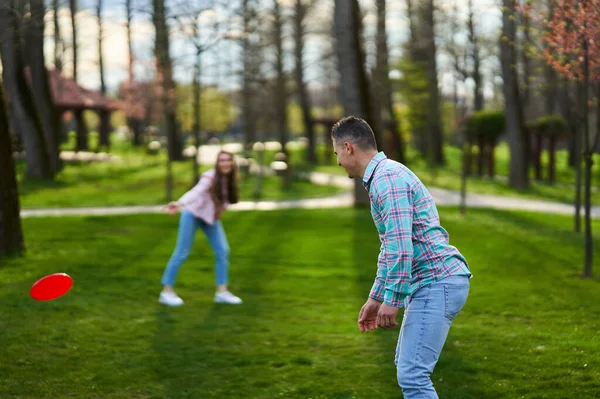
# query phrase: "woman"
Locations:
[[202, 207]]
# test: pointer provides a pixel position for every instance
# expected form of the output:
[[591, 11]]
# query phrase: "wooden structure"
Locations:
[[68, 96]]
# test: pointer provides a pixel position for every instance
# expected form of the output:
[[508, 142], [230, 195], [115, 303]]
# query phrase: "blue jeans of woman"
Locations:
[[188, 224], [427, 320]]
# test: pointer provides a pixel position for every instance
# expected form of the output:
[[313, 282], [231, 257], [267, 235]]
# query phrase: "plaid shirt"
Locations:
[[414, 246]]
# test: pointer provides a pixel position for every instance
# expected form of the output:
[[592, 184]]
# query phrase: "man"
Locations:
[[417, 267]]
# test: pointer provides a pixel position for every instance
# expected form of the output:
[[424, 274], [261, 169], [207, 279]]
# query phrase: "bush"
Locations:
[[487, 124], [550, 125]]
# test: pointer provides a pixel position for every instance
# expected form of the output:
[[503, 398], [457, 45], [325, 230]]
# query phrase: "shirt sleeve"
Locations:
[[397, 216], [378, 289], [202, 186]]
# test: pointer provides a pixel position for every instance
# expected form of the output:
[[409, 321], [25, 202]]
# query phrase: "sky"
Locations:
[[222, 60]]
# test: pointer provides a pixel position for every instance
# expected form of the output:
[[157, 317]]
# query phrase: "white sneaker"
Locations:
[[170, 299], [227, 297]]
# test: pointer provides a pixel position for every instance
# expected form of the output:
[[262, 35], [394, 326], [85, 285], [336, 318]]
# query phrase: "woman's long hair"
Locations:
[[216, 189]]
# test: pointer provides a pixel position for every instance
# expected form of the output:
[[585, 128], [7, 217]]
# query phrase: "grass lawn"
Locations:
[[530, 329], [139, 179], [449, 176]]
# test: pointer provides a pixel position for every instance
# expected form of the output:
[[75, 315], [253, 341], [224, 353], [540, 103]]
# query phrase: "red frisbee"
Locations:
[[51, 287]]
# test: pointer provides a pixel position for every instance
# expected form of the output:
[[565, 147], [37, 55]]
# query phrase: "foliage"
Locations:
[[413, 87], [568, 28], [487, 124], [550, 125], [217, 111]]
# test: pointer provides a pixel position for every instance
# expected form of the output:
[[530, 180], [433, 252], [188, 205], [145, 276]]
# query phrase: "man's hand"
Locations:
[[367, 318], [386, 317], [172, 208]]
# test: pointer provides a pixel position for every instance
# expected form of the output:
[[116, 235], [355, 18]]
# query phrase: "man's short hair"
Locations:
[[355, 130]]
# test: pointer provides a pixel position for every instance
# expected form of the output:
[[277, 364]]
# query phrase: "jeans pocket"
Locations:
[[456, 297]]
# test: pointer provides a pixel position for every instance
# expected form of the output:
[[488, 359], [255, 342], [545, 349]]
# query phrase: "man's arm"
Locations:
[[396, 201], [378, 289]]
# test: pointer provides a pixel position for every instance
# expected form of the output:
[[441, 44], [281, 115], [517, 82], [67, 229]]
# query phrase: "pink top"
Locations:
[[198, 200]]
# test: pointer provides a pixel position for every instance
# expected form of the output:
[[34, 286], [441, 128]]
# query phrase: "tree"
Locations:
[[513, 111], [301, 9], [51, 123], [574, 51], [355, 91], [165, 77], [58, 43], [74, 47], [436, 141], [281, 94], [23, 113], [251, 67], [11, 236], [383, 84], [104, 115]]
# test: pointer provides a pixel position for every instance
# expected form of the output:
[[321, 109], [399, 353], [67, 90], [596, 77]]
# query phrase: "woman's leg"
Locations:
[[218, 241], [185, 239]]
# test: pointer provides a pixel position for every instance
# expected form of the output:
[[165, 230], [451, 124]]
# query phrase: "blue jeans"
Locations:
[[188, 224], [427, 319]]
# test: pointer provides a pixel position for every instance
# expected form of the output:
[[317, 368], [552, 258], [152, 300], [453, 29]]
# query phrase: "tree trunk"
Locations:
[[247, 97], [526, 62], [40, 85], [280, 96], [476, 55], [383, 84], [58, 43], [537, 157], [165, 71], [481, 158], [129, 11], [466, 161], [588, 153], [518, 176], [11, 236], [300, 85], [552, 159], [23, 113], [550, 78], [73, 8], [100, 41], [104, 131], [578, 134], [491, 159], [436, 138], [81, 133], [415, 47], [197, 94], [353, 84]]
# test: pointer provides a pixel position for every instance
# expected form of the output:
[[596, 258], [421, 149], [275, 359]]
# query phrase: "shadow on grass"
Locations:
[[449, 374], [204, 350]]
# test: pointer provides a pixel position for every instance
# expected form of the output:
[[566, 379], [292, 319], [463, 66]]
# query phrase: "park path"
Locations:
[[442, 197]]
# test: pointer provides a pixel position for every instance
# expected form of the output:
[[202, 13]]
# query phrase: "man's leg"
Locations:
[[424, 329]]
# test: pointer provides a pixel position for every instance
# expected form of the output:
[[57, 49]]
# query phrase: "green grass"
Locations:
[[139, 179], [448, 177], [530, 329]]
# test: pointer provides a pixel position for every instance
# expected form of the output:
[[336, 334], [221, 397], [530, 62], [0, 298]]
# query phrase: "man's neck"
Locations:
[[364, 161]]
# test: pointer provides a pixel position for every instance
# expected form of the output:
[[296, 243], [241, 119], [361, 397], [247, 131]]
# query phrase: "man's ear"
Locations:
[[348, 147]]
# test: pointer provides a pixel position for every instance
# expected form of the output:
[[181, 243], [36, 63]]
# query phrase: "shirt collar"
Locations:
[[371, 167]]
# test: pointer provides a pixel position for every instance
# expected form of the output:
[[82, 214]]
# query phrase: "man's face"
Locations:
[[345, 157]]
